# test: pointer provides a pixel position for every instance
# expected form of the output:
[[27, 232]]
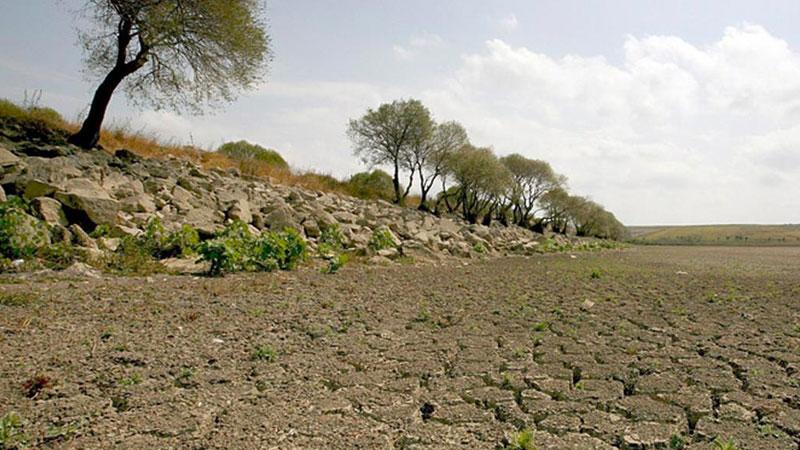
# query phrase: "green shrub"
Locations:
[[11, 434], [728, 444], [60, 255], [245, 151], [521, 441], [181, 242], [335, 263], [264, 353], [479, 248], [20, 233], [330, 242], [381, 239], [236, 249], [371, 185]]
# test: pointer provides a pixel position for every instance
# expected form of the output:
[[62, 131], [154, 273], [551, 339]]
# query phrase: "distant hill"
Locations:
[[739, 235]]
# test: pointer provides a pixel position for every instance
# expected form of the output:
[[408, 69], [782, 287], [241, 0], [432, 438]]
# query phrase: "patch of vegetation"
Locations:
[[331, 241], [521, 441], [130, 380], [676, 442], [16, 298], [60, 255], [245, 151], [335, 263], [479, 248], [728, 444], [20, 233], [55, 432], [11, 434], [381, 239], [596, 274], [237, 249], [185, 378], [264, 353]]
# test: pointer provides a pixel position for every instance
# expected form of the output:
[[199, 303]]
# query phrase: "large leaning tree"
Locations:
[[182, 54], [387, 136]]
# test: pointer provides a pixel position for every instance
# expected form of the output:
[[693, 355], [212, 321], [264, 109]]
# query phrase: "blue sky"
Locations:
[[666, 112]]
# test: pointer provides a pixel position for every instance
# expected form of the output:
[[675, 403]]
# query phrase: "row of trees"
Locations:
[[472, 181]]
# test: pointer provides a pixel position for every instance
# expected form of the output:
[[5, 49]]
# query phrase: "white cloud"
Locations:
[[416, 45], [676, 133], [508, 23]]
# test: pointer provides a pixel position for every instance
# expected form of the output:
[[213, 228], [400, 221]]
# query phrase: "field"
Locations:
[[740, 235], [649, 347]]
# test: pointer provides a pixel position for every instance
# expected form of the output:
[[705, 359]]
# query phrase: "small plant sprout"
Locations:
[[727, 444], [264, 353], [521, 441]]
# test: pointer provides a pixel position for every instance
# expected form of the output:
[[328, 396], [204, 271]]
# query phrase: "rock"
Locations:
[[185, 265], [121, 231], [3, 197], [7, 158], [345, 217], [280, 219], [205, 220], [311, 228], [240, 211], [81, 237], [49, 210], [141, 203], [86, 196], [82, 270], [38, 188], [110, 244]]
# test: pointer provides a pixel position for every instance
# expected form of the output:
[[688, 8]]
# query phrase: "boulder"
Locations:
[[240, 211], [282, 218], [7, 158], [49, 210], [86, 196], [81, 237], [311, 228]]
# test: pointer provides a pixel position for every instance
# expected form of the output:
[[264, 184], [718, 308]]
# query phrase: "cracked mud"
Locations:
[[641, 349]]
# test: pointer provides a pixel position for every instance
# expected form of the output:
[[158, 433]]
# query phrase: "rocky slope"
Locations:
[[75, 191]]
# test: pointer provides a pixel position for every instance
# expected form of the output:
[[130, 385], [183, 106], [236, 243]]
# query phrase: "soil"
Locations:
[[649, 347]]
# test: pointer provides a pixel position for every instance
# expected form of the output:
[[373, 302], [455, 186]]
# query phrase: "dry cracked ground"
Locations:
[[636, 349]]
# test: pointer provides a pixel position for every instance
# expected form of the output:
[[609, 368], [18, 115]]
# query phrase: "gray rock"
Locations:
[[49, 210], [81, 237], [282, 218], [83, 194]]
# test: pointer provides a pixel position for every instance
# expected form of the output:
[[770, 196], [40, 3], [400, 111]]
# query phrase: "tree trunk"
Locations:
[[89, 133], [396, 183]]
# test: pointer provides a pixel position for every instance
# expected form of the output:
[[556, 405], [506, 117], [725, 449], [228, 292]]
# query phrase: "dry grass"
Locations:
[[149, 146]]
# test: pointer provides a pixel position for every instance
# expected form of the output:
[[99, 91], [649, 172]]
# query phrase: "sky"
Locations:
[[679, 112]]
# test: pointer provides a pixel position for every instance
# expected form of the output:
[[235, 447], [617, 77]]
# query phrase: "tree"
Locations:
[[245, 151], [481, 181], [386, 136], [556, 204], [431, 155], [176, 53], [532, 178]]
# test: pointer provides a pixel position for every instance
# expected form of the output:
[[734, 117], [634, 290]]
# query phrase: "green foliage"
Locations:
[[11, 434], [521, 441], [16, 298], [728, 444], [245, 151], [596, 274], [237, 249], [189, 53], [371, 185], [479, 248], [20, 233], [139, 255], [60, 255], [335, 263], [381, 239], [331, 241], [131, 380], [102, 230], [388, 136], [182, 242], [264, 353], [676, 442]]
